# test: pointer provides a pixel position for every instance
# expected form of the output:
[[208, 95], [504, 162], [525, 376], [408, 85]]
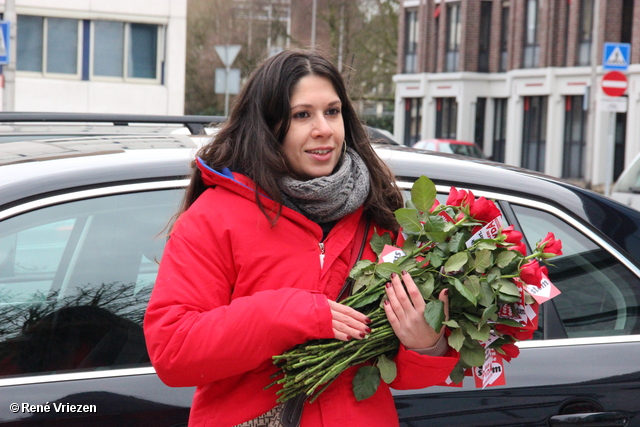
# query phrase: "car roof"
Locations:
[[448, 141]]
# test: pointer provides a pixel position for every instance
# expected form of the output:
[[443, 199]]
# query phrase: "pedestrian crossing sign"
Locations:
[[4, 42], [616, 56]]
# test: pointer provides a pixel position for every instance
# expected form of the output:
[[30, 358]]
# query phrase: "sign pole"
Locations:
[[611, 146], [227, 54]]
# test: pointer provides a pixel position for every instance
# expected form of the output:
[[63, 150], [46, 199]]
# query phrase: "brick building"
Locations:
[[522, 79]]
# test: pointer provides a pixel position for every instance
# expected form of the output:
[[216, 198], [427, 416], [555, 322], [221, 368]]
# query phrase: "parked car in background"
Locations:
[[380, 136], [84, 205], [627, 187], [463, 148]]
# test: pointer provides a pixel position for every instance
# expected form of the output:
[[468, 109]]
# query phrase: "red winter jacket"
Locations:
[[232, 291]]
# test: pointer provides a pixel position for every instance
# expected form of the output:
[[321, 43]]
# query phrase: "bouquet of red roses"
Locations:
[[494, 288]]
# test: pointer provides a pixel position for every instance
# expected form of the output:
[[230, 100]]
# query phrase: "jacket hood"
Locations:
[[246, 187]]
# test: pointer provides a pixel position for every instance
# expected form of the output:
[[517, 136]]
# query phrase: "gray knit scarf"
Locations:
[[329, 198]]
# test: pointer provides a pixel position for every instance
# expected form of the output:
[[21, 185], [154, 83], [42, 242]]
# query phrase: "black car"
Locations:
[[84, 205]]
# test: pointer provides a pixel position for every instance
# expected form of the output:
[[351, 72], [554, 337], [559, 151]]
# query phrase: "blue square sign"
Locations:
[[4, 42], [615, 56]]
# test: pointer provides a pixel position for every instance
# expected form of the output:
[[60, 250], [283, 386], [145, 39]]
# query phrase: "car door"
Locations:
[[583, 359], [76, 273]]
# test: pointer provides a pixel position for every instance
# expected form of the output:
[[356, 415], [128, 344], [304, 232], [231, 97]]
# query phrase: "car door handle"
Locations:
[[594, 419]]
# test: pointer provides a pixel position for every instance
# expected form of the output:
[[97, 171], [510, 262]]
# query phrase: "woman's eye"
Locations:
[[301, 115], [333, 111]]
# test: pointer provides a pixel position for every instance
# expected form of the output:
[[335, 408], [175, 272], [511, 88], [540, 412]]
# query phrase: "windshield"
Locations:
[[462, 149]]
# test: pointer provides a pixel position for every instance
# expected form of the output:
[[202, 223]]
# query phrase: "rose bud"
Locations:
[[514, 237], [531, 273], [550, 246], [484, 210], [511, 351]]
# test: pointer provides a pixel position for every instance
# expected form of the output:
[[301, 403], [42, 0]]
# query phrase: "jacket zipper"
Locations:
[[321, 245]]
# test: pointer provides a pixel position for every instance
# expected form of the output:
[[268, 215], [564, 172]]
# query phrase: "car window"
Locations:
[[75, 280], [599, 294]]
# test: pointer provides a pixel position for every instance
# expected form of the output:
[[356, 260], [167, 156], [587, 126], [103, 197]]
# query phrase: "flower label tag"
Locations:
[[545, 292], [390, 254], [492, 372], [489, 231]]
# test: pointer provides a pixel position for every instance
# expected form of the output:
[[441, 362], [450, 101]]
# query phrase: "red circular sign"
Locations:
[[614, 83]]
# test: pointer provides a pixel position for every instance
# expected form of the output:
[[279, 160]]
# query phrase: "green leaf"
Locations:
[[366, 300], [489, 314], [463, 290], [426, 286], [423, 193], [474, 333], [451, 323], [435, 260], [457, 374], [409, 221], [474, 355], [473, 284], [455, 262], [388, 369], [505, 258], [509, 322], [437, 236], [385, 269], [486, 297], [483, 260], [508, 298], [366, 382], [457, 242], [360, 267], [485, 244], [456, 339], [434, 314], [377, 242], [508, 287], [362, 282]]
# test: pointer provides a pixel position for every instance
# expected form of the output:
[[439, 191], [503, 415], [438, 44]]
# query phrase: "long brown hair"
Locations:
[[250, 141]]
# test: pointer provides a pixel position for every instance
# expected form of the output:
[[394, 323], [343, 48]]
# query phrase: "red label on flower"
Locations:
[[492, 372], [390, 254], [489, 231], [545, 292]]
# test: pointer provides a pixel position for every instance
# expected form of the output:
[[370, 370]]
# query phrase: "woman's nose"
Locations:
[[321, 127]]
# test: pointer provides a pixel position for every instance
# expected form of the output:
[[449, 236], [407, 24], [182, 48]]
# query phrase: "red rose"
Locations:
[[436, 203], [514, 237], [550, 246], [511, 351], [460, 198], [483, 209], [531, 273]]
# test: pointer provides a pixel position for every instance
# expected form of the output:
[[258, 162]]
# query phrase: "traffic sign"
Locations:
[[4, 42], [614, 83], [610, 104], [228, 53], [615, 56]]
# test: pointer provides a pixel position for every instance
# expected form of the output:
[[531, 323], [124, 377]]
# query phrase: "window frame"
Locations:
[[74, 196], [452, 45], [45, 35], [411, 32], [160, 38]]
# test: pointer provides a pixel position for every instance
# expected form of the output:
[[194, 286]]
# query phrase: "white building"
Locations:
[[99, 56]]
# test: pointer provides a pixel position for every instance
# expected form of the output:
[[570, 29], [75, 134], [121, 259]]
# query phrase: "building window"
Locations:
[[453, 36], [446, 118], [412, 120], [481, 107], [48, 45], [504, 35], [534, 132], [573, 159], [585, 35], [499, 129], [411, 41], [531, 46], [484, 41], [620, 143], [125, 50]]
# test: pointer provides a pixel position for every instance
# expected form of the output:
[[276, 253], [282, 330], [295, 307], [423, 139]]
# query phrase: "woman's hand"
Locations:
[[347, 322], [405, 311]]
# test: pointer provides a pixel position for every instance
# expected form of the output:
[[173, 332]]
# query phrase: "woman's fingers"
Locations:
[[347, 322], [444, 297]]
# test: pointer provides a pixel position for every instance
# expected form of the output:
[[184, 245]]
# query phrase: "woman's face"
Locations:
[[313, 144]]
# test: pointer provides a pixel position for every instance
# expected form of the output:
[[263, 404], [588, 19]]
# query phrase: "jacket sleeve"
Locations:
[[416, 371], [196, 334]]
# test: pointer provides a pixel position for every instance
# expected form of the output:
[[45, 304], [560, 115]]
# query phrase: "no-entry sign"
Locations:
[[614, 83]]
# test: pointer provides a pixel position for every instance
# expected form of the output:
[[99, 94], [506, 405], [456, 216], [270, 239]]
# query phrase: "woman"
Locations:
[[262, 248]]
